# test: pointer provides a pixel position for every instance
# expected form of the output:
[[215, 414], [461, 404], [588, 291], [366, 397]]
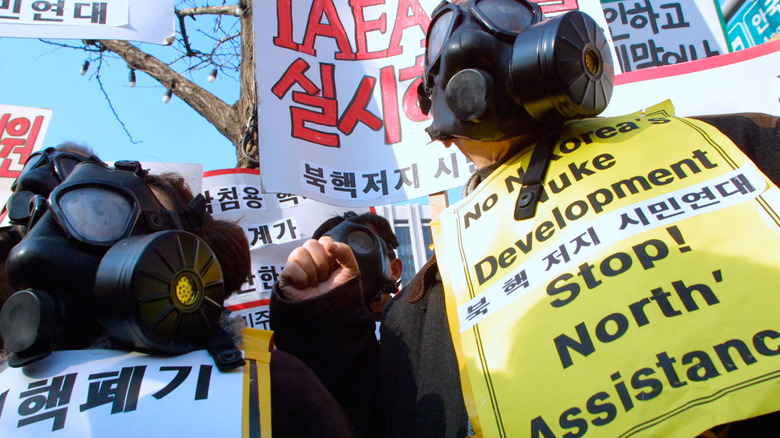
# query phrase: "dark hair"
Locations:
[[76, 148], [225, 238], [377, 223]]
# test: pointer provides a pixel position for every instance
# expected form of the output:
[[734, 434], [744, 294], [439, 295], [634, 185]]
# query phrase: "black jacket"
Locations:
[[334, 335], [300, 404]]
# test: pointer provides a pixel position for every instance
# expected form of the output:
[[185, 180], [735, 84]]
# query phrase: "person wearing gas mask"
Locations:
[[499, 80], [371, 238], [43, 171], [372, 241], [115, 260]]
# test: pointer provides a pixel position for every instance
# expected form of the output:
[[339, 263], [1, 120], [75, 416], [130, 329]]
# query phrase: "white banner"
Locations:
[[744, 81], [338, 102], [22, 130], [663, 32], [149, 21], [102, 393]]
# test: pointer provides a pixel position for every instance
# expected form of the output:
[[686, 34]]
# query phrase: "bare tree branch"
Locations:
[[113, 111], [237, 122], [209, 10], [217, 112]]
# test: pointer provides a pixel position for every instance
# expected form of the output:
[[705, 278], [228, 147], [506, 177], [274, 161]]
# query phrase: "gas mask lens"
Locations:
[[440, 30], [502, 18], [42, 172], [95, 215], [35, 159], [361, 242], [62, 162], [65, 164]]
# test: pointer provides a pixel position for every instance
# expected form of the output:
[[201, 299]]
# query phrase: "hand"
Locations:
[[317, 267]]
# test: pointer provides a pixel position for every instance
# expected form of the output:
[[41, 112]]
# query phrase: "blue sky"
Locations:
[[35, 74]]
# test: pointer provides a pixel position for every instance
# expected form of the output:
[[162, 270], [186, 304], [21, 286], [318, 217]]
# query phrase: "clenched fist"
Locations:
[[317, 267]]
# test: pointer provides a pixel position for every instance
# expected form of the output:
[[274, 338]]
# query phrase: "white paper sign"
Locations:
[[338, 102], [110, 393], [65, 12], [22, 131], [744, 81], [150, 21], [661, 32]]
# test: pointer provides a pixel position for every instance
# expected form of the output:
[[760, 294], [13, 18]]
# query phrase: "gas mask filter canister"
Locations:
[[496, 69], [107, 257]]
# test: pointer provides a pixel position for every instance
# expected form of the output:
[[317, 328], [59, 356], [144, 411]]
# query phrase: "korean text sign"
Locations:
[[22, 131], [339, 101], [135, 20], [639, 301], [120, 394], [66, 12], [743, 81], [750, 23], [653, 33]]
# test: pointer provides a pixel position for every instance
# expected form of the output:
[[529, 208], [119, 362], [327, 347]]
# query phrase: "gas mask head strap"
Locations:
[[195, 215], [223, 350], [531, 192], [131, 166]]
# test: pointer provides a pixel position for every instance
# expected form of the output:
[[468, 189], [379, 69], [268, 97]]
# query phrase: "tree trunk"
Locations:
[[246, 107]]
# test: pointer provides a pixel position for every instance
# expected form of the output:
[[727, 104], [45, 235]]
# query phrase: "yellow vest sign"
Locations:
[[640, 300]]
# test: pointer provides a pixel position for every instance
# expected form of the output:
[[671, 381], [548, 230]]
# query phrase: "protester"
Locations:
[[473, 50], [114, 255], [380, 270], [43, 171]]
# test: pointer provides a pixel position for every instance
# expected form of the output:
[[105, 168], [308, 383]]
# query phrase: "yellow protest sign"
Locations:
[[639, 300]]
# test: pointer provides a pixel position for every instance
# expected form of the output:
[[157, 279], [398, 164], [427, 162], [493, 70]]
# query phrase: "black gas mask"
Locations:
[[496, 69], [371, 254], [43, 171], [103, 256]]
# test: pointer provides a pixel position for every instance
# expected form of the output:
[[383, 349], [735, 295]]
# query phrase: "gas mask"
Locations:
[[103, 256], [496, 69], [43, 171], [371, 254]]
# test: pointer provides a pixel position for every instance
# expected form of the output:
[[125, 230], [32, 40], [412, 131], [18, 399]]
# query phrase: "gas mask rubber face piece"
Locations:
[[371, 254], [107, 257], [496, 69], [43, 171]]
